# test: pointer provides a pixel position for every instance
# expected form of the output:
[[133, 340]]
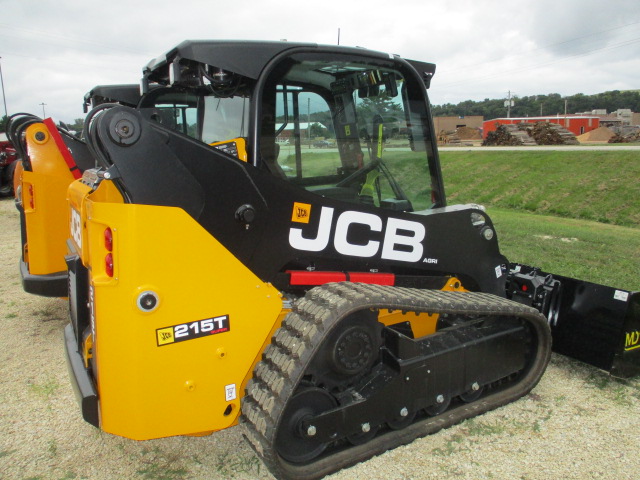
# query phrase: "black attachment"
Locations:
[[593, 323]]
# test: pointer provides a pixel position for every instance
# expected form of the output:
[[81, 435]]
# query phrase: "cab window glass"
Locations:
[[225, 118], [347, 130]]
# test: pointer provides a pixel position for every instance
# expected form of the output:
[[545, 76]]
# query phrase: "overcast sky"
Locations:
[[54, 52]]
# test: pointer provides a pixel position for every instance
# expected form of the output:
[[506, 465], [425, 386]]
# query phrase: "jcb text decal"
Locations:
[[632, 340], [189, 331], [401, 240], [76, 227]]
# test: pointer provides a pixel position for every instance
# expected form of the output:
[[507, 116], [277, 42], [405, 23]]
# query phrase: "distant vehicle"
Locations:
[[8, 158], [322, 144]]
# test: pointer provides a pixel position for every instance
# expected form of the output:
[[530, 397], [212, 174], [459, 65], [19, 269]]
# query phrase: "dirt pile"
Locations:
[[600, 134], [468, 133]]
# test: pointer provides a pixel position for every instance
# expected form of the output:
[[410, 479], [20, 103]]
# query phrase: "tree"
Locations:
[[317, 130], [382, 105], [3, 123], [77, 125], [550, 104]]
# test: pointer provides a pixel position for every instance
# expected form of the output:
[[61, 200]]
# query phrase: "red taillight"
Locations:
[[524, 288], [108, 239], [108, 244], [108, 264], [32, 203]]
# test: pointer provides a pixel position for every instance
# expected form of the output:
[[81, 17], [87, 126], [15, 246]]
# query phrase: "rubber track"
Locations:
[[293, 346]]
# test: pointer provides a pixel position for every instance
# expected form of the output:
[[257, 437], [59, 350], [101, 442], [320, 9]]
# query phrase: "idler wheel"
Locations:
[[295, 441]]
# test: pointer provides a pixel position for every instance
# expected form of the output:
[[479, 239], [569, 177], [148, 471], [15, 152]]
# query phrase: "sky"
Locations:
[[52, 53]]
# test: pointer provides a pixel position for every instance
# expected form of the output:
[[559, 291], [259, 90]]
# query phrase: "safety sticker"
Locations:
[[230, 392], [498, 271], [621, 295], [192, 330]]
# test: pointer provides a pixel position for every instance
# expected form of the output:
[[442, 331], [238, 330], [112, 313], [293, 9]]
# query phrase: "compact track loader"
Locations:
[[328, 299], [51, 158]]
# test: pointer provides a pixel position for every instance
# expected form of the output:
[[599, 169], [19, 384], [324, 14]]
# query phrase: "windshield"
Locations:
[[350, 130]]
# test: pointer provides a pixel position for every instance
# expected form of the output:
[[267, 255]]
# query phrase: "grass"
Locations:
[[570, 213], [600, 186], [45, 390], [482, 429], [158, 465], [591, 251], [227, 467]]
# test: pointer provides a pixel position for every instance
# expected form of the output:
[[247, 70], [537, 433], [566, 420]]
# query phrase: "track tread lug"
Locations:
[[285, 360]]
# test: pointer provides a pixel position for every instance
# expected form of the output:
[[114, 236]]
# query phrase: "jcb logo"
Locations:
[[632, 341], [76, 227], [402, 239], [301, 212]]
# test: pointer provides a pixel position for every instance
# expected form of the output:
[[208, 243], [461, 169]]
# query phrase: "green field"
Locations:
[[572, 213], [593, 185]]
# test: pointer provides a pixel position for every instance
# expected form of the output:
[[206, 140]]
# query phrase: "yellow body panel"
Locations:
[[149, 384], [44, 191], [17, 177]]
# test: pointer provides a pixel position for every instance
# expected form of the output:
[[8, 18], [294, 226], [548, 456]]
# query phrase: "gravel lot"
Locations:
[[576, 424]]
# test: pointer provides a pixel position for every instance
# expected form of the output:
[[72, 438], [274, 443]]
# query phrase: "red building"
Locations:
[[576, 124]]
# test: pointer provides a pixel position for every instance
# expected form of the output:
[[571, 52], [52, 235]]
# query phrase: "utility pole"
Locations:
[[44, 115], [509, 103], [4, 97]]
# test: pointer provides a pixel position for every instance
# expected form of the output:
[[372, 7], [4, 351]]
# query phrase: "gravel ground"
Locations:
[[578, 423]]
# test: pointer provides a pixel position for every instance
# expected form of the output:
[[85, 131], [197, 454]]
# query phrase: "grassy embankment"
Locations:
[[571, 213]]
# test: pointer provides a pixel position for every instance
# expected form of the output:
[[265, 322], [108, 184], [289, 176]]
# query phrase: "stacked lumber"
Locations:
[[547, 133], [539, 133], [508, 135], [626, 134]]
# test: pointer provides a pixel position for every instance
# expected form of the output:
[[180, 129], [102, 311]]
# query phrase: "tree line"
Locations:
[[543, 105], [528, 106]]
